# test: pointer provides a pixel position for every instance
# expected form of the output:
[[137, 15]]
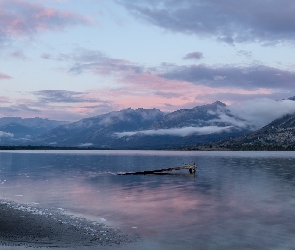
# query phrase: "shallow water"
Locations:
[[236, 200]]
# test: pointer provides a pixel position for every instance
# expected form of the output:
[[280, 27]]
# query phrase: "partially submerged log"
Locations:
[[191, 168]]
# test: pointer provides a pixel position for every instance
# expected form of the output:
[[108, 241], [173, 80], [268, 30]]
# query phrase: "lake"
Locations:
[[236, 200]]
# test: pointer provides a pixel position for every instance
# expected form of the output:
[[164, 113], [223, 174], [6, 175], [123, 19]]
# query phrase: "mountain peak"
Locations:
[[219, 103], [212, 106]]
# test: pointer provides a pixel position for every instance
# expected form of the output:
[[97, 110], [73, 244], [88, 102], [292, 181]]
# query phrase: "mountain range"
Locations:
[[149, 129]]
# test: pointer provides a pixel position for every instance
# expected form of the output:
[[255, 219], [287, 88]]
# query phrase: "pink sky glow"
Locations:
[[57, 63]]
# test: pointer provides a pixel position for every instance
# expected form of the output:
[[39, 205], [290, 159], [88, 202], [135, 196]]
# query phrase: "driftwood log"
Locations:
[[191, 168]]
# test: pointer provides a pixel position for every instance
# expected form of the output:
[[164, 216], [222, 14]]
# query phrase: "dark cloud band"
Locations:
[[258, 76], [227, 20]]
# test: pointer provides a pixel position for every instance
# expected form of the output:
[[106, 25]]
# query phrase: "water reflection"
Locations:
[[236, 201]]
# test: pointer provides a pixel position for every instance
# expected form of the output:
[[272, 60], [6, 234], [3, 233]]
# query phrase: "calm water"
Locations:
[[237, 200]]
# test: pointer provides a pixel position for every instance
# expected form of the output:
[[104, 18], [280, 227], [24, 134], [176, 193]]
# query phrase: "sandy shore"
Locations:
[[31, 227]]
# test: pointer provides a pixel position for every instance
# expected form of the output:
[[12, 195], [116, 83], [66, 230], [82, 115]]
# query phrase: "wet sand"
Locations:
[[30, 227]]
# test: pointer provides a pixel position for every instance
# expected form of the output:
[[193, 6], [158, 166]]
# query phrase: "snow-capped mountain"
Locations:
[[149, 128], [99, 130]]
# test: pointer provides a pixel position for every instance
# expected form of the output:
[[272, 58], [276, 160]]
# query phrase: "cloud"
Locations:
[[167, 95], [4, 99], [57, 104], [219, 78], [181, 132], [248, 77], [19, 108], [19, 55], [247, 54], [229, 119], [62, 96], [228, 21], [100, 106], [22, 18], [58, 96], [194, 55], [98, 63], [169, 86], [88, 144], [4, 76], [5, 134], [46, 56], [262, 111], [71, 105]]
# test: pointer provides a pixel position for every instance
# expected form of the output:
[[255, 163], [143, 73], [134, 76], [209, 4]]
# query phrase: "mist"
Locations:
[[5, 134], [181, 132], [260, 112]]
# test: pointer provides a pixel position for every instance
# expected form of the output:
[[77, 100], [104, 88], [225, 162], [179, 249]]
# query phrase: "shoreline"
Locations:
[[24, 225]]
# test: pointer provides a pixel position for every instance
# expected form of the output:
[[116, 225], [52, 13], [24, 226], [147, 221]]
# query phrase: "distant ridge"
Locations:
[[16, 130], [148, 128], [280, 133]]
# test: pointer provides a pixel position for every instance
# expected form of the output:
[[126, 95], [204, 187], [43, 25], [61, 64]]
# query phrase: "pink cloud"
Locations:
[[148, 90], [19, 17], [4, 76], [4, 99], [134, 86], [139, 86], [134, 92]]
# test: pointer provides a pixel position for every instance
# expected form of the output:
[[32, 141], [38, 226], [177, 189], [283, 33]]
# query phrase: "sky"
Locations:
[[72, 59]]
